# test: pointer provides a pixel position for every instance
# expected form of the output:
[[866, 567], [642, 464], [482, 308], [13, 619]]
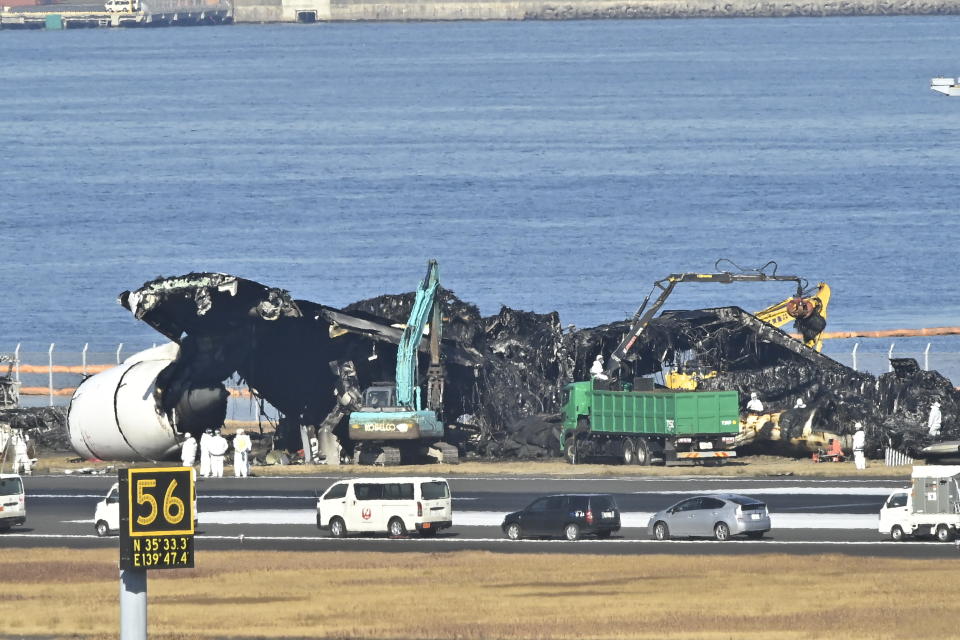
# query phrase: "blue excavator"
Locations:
[[393, 424]]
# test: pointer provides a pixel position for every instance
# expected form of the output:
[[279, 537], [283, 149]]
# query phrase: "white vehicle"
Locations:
[[931, 507], [393, 505], [106, 518], [122, 6], [13, 501], [946, 86]]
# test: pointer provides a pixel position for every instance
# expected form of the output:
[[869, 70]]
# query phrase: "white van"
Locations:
[[106, 519], [13, 501], [394, 505]]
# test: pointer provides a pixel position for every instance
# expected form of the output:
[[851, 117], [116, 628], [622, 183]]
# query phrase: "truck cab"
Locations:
[[931, 507], [895, 516]]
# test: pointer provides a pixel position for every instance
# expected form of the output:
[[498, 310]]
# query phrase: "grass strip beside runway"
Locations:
[[482, 595]]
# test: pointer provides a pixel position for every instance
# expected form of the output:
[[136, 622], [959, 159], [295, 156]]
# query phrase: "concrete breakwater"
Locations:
[[407, 10]]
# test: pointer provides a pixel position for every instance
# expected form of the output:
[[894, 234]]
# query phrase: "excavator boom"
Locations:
[[424, 309], [795, 305]]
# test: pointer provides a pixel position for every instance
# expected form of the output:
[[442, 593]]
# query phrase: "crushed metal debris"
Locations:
[[505, 373]]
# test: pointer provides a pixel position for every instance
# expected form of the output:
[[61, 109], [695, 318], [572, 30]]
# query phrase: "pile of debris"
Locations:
[[505, 373]]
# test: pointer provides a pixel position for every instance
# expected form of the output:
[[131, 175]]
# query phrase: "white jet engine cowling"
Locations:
[[115, 415]]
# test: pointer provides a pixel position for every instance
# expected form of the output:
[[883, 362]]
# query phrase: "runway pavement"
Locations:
[[809, 516]]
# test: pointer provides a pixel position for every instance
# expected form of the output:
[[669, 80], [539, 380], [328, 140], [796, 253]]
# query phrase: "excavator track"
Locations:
[[377, 456], [451, 455]]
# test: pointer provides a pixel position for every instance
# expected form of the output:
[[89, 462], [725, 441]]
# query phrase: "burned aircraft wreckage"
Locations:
[[504, 374]]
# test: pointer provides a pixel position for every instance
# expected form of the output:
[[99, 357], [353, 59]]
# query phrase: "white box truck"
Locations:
[[931, 507]]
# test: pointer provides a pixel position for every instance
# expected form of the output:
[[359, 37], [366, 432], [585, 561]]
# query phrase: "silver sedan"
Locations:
[[717, 515]]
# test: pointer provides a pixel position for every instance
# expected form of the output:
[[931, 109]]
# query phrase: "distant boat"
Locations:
[[946, 86]]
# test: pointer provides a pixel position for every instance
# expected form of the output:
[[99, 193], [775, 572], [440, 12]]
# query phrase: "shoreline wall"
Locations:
[[416, 10]]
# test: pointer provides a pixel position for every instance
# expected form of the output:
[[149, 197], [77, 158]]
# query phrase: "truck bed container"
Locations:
[[638, 424], [656, 412]]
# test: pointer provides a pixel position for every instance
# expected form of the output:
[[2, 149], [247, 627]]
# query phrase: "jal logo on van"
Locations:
[[366, 513]]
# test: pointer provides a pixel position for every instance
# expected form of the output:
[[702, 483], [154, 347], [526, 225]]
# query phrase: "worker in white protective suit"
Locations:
[[859, 440], [755, 406], [934, 419], [21, 457], [241, 452], [205, 453], [218, 449], [188, 451], [596, 369]]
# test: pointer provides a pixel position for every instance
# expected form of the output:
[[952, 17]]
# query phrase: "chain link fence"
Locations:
[[49, 378]]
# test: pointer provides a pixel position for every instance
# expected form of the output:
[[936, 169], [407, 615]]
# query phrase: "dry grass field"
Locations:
[[746, 467], [481, 595]]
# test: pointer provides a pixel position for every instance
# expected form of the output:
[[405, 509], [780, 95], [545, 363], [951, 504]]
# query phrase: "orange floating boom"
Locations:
[[888, 333], [63, 368]]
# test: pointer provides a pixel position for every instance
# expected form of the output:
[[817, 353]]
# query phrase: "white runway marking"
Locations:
[[795, 491]]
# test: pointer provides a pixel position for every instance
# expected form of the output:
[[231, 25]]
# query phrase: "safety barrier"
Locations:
[[894, 458]]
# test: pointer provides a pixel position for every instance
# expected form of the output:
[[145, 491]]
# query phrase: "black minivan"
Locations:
[[571, 516]]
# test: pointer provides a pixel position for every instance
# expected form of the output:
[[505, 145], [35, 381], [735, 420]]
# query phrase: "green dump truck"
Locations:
[[639, 427]]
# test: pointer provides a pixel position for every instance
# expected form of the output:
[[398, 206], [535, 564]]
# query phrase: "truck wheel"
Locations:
[[396, 528], [103, 530], [661, 531], [513, 531], [897, 534], [643, 453], [572, 531], [629, 456], [721, 531], [944, 534], [570, 451], [337, 528]]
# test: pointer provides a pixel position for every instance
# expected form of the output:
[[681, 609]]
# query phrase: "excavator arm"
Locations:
[[424, 310], [807, 308]]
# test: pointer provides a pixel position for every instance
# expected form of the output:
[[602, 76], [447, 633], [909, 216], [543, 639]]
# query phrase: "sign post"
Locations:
[[157, 519]]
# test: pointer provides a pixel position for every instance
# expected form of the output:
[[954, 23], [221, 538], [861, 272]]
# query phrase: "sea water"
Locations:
[[547, 166]]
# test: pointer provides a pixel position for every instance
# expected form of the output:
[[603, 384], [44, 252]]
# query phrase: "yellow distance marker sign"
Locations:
[[157, 518]]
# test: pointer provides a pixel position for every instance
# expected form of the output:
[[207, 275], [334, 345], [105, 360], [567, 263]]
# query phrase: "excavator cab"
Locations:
[[379, 397]]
